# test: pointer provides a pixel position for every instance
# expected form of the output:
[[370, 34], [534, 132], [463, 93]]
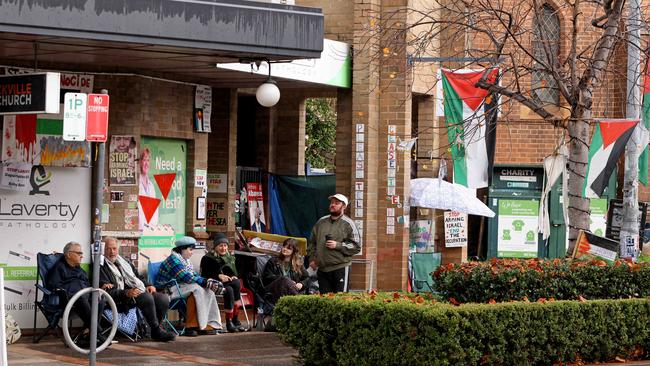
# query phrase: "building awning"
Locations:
[[182, 39]]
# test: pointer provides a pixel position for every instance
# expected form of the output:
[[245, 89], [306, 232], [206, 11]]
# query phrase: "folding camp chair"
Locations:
[[254, 280], [421, 265], [53, 301], [179, 304], [51, 305]]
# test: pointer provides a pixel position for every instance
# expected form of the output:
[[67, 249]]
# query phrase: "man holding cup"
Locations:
[[334, 240]]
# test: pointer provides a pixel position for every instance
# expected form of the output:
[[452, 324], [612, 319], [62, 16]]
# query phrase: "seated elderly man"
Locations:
[[119, 278], [203, 315], [68, 276]]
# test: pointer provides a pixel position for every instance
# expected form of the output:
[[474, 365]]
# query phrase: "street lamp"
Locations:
[[268, 93]]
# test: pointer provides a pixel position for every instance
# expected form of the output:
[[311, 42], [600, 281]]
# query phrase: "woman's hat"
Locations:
[[218, 238], [186, 241]]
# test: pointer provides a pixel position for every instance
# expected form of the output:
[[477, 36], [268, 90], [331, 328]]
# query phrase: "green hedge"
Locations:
[[561, 279], [369, 330]]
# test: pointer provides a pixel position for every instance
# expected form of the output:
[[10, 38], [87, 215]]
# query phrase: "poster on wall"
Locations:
[[42, 219], [455, 229], [598, 216], [161, 194], [256, 207], [517, 228], [202, 108], [216, 214], [217, 183], [121, 161], [38, 138], [420, 238]]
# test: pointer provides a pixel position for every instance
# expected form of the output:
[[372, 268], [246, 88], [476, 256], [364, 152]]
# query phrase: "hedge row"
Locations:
[[562, 279], [368, 329]]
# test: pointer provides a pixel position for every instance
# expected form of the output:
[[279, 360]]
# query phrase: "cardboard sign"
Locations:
[[455, 229], [216, 214]]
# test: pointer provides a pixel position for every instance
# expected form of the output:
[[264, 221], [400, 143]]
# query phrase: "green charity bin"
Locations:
[[514, 196]]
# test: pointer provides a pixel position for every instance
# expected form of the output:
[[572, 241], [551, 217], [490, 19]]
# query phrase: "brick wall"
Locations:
[[146, 107]]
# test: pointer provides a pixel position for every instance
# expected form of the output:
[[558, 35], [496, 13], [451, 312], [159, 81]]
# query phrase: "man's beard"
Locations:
[[336, 213]]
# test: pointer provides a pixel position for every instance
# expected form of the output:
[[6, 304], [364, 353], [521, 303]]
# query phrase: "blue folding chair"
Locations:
[[179, 304]]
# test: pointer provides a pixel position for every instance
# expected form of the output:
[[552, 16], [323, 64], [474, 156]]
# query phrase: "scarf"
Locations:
[[225, 260], [186, 262], [124, 275]]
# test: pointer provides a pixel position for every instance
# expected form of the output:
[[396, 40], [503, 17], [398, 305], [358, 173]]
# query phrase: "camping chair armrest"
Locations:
[[43, 289]]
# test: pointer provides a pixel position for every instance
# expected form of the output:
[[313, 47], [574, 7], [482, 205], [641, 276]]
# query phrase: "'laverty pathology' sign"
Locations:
[[54, 212], [42, 219]]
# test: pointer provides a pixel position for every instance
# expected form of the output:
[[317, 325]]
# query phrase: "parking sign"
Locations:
[[74, 116]]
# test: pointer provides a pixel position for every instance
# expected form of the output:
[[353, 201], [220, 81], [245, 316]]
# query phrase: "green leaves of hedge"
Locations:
[[561, 279], [364, 330]]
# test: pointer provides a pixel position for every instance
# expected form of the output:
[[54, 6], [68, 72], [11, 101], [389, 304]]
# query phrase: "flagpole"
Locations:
[[629, 235]]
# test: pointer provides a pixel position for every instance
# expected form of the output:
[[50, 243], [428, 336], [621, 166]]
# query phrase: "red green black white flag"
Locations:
[[607, 145], [470, 116]]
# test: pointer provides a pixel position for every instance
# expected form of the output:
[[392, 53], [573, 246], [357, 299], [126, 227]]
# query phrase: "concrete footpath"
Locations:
[[250, 348]]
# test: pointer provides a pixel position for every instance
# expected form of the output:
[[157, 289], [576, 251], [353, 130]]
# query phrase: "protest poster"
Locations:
[[455, 229], [121, 161]]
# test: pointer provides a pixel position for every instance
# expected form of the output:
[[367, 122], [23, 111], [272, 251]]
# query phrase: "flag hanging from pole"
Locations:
[[470, 116], [607, 145], [644, 127]]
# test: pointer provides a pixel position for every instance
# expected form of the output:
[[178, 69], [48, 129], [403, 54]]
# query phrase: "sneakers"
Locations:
[[161, 335]]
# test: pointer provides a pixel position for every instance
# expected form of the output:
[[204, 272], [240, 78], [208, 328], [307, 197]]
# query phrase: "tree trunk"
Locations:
[[578, 159]]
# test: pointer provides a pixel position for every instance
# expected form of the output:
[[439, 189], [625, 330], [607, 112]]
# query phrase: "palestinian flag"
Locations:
[[644, 127], [470, 116], [607, 145]]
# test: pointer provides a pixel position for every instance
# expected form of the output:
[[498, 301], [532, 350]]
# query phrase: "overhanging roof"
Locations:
[[179, 39]]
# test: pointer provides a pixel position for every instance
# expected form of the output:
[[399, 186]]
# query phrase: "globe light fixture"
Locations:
[[268, 93]]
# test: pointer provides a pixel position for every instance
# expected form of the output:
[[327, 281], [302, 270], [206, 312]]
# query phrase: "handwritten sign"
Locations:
[[455, 229], [216, 214]]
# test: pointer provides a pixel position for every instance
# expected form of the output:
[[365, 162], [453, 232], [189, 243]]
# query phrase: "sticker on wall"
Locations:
[[390, 229], [390, 211], [359, 174], [390, 191], [361, 137], [117, 196], [360, 156], [360, 164], [391, 173], [360, 146], [358, 195], [392, 138], [360, 128], [358, 212], [358, 186]]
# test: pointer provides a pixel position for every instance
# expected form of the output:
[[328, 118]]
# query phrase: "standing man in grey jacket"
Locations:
[[334, 240]]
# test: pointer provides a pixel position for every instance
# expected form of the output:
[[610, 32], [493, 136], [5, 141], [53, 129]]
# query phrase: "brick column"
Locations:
[[290, 135]]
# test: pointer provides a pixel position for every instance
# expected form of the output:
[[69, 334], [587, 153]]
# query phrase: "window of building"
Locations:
[[546, 49]]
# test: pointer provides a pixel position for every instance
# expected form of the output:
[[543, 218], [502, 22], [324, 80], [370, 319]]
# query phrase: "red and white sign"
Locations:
[[97, 118]]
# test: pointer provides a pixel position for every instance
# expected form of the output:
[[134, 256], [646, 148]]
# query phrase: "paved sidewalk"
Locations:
[[250, 348]]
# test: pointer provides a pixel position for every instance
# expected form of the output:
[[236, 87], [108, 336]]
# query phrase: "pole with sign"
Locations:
[[74, 116], [97, 118]]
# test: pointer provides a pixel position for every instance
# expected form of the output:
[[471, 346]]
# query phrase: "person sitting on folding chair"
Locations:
[[119, 278], [218, 263], [284, 275], [67, 274], [203, 315]]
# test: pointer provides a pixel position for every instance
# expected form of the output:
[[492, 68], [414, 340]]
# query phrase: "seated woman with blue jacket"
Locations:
[[284, 275]]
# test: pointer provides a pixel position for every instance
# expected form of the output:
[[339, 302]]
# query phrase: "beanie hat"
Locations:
[[219, 238]]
